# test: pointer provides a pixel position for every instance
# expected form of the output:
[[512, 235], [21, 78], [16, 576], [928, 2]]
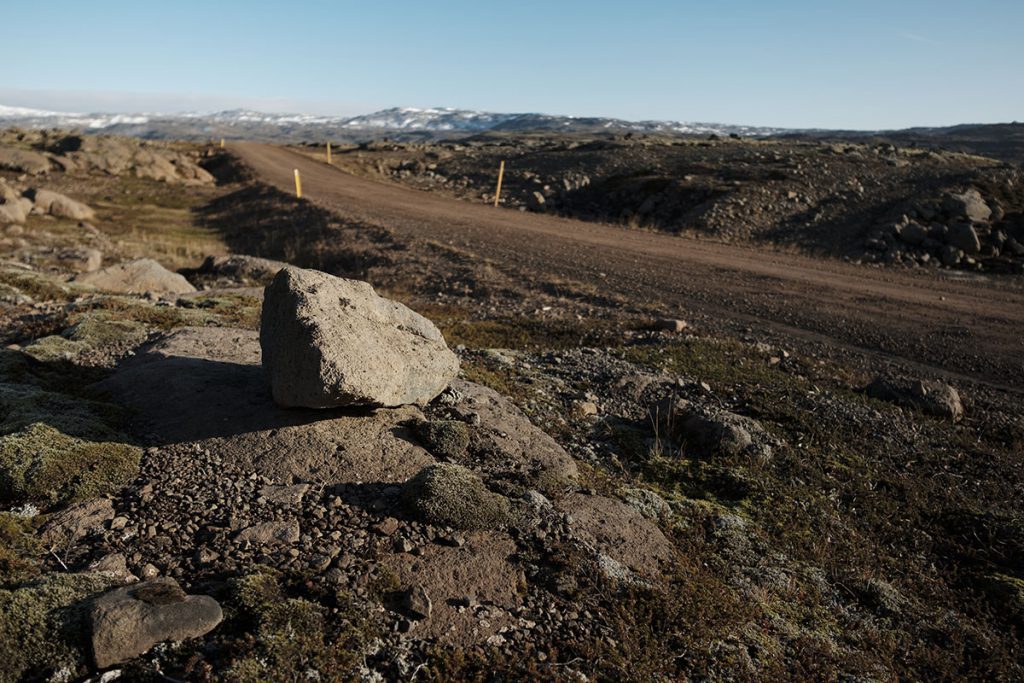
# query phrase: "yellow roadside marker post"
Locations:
[[298, 184], [501, 174], [328, 154], [222, 143]]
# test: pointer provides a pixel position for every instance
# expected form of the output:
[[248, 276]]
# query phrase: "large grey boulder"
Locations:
[[329, 342], [969, 204], [129, 621], [23, 161], [13, 207], [60, 206], [141, 275], [15, 211]]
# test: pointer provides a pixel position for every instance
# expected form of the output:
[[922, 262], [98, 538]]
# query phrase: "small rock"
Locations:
[[950, 255], [416, 603], [284, 495], [205, 556], [670, 325], [115, 566], [585, 408], [913, 233], [969, 204], [933, 398], [269, 533], [129, 621]]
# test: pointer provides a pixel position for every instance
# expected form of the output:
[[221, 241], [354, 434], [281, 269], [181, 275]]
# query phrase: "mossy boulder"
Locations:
[[444, 438], [44, 625], [453, 496], [91, 333], [40, 463]]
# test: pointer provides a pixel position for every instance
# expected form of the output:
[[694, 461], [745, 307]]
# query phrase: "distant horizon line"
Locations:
[[20, 111]]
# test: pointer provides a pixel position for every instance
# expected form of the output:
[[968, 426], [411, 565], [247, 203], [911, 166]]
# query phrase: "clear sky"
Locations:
[[797, 63]]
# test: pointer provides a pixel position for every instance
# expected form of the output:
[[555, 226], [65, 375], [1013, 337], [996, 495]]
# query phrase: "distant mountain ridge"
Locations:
[[999, 140], [401, 121]]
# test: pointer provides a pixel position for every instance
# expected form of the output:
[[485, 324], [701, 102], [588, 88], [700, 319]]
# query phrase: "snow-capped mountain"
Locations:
[[399, 122], [24, 116]]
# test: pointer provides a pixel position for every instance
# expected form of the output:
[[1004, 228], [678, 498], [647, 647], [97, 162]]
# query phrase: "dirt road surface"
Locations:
[[962, 327]]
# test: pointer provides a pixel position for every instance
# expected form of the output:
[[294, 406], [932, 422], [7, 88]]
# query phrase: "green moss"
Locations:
[[22, 405], [714, 361], [444, 438], [502, 379], [43, 625], [120, 308], [295, 634], [256, 593], [233, 310], [523, 333], [39, 463], [38, 286], [19, 549], [91, 333], [451, 495]]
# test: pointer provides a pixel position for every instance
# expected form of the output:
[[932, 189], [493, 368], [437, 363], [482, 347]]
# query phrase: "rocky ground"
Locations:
[[595, 495], [873, 203]]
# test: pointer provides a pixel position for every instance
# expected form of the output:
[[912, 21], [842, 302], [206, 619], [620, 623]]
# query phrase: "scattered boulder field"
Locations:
[[386, 463], [37, 153]]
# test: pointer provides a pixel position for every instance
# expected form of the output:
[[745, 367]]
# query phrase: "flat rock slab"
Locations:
[[480, 570], [76, 522], [128, 621], [330, 342], [618, 531], [284, 495], [270, 533], [204, 387]]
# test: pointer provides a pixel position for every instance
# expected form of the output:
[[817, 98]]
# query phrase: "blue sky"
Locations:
[[864, 64]]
